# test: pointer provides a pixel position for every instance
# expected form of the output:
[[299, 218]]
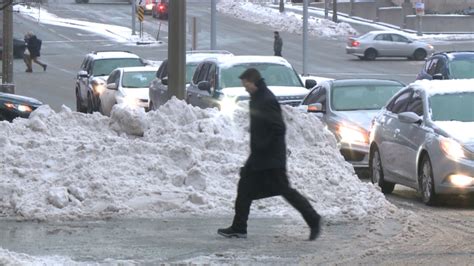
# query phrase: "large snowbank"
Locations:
[[176, 160], [287, 21]]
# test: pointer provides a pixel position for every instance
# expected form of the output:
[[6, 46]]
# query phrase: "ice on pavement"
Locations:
[[287, 21], [178, 160]]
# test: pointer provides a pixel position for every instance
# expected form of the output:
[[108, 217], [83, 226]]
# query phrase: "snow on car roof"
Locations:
[[198, 57], [433, 87], [139, 69], [246, 59], [113, 54]]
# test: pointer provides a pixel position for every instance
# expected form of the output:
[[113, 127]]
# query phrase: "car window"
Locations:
[[318, 95], [399, 104], [163, 70], [432, 67], [103, 67], [212, 76], [113, 77], [137, 79], [452, 107], [462, 69], [84, 63], [440, 67], [383, 37], [399, 38], [190, 69], [362, 97], [416, 104], [201, 73]]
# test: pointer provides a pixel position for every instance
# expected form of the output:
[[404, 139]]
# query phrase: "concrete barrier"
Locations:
[[391, 15], [443, 23]]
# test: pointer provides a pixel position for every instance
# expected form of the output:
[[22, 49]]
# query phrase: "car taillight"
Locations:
[[355, 43], [161, 7]]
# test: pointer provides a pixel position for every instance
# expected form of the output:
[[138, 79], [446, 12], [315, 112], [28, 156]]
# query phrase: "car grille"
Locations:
[[353, 156], [290, 100]]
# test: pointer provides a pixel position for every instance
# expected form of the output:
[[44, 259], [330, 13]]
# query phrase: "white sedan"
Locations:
[[127, 85]]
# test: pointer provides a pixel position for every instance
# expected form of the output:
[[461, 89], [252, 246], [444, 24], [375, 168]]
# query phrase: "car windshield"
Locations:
[[452, 107], [190, 67], [274, 75], [135, 79], [462, 68], [103, 67], [362, 97]]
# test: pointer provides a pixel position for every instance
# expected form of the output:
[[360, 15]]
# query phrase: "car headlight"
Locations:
[[461, 180], [431, 47], [352, 135], [131, 101], [228, 105], [452, 148], [20, 107]]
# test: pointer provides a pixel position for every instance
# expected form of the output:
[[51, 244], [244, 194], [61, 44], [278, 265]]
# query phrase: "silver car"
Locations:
[[348, 107], [424, 139], [387, 44]]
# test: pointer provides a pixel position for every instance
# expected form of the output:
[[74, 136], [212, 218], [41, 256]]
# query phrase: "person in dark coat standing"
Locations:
[[33, 45], [264, 174], [277, 44]]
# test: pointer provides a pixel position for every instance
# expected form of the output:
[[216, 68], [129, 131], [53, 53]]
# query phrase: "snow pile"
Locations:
[[115, 33], [70, 165], [287, 21]]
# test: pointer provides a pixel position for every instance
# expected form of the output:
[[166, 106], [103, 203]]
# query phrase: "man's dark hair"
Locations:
[[251, 75], [276, 32]]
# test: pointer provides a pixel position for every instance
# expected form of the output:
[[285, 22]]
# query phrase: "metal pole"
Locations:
[[134, 17], [194, 44], [213, 24], [334, 10], [326, 9], [305, 37], [419, 25], [282, 6], [352, 8], [7, 54], [177, 48]]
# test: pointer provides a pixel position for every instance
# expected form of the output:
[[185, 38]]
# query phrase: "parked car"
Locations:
[[160, 9], [18, 48], [424, 139], [387, 44], [216, 82], [347, 107], [13, 106], [95, 69], [159, 94], [149, 6], [449, 65], [127, 85]]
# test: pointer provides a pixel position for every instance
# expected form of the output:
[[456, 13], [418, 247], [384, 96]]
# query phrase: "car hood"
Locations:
[[362, 118], [139, 93], [279, 91], [461, 131], [17, 99]]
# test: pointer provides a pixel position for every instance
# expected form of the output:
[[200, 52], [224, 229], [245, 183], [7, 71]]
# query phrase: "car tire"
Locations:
[[370, 54], [419, 54], [425, 176], [90, 106], [376, 172]]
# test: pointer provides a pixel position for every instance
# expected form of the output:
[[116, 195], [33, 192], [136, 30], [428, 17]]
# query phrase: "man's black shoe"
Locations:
[[229, 232], [314, 232]]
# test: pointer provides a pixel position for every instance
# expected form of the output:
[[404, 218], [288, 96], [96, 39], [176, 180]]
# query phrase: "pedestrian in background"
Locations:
[[264, 174], [277, 44], [32, 52]]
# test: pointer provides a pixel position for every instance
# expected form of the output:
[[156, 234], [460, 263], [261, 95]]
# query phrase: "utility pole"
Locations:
[[177, 48], [326, 9], [305, 37], [334, 10], [7, 54], [282, 6], [134, 17], [213, 24]]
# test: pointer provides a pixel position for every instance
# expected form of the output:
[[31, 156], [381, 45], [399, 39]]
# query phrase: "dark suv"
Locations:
[[95, 69], [160, 9], [449, 65]]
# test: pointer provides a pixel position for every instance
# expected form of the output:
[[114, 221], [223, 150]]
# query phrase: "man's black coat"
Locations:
[[34, 46], [267, 131]]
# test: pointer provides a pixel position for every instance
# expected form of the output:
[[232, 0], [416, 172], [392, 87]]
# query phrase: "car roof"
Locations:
[[112, 54], [198, 56], [355, 82], [226, 62], [456, 54], [433, 87], [138, 69]]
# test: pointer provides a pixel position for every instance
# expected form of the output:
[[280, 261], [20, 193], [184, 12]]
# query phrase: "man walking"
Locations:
[[277, 44], [33, 46], [264, 173]]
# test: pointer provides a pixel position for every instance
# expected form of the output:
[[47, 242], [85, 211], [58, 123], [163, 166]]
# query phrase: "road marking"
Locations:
[[65, 37]]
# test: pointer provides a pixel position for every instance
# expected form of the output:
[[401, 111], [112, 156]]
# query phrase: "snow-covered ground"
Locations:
[[288, 21], [115, 33], [179, 160]]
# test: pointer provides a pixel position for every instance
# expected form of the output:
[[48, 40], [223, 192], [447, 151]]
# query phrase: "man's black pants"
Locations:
[[264, 184]]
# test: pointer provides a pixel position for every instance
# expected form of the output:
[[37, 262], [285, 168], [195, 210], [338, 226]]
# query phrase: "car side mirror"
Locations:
[[310, 83], [112, 86], [204, 86], [316, 108], [438, 76], [409, 118], [83, 74], [164, 81]]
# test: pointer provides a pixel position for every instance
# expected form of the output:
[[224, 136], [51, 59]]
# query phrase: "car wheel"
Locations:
[[90, 107], [79, 107], [376, 173], [370, 54], [426, 182], [361, 57], [419, 54]]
